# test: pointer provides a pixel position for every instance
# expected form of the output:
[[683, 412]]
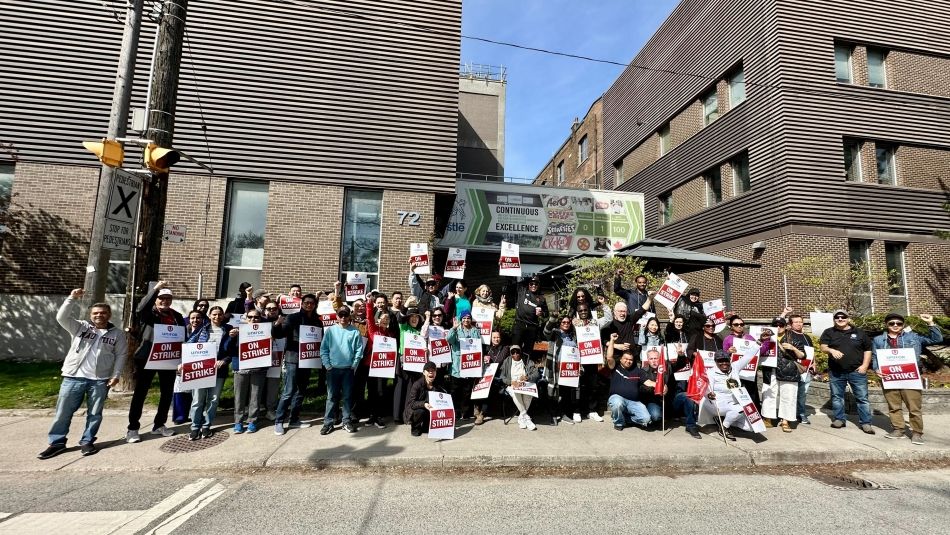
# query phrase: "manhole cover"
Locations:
[[850, 483], [181, 444]]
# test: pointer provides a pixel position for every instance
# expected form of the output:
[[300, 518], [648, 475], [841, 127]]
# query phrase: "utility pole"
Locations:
[[160, 121], [98, 260]]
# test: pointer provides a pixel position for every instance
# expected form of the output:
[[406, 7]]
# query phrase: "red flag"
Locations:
[[698, 385], [660, 374]]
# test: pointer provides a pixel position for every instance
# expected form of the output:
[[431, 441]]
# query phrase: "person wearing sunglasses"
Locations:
[[737, 332], [248, 384], [895, 337], [296, 379], [849, 349]]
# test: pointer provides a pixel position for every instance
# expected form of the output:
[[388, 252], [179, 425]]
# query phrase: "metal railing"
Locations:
[[480, 71]]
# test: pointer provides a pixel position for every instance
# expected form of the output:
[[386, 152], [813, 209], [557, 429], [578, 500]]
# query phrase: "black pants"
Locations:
[[570, 400], [404, 380], [461, 391], [589, 390], [419, 419], [368, 394], [143, 382], [524, 335]]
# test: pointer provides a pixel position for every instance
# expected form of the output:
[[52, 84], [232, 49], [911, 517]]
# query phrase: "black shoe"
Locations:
[[326, 430], [727, 434], [618, 427], [349, 427], [416, 432], [693, 432], [52, 451], [194, 435], [88, 449], [207, 432]]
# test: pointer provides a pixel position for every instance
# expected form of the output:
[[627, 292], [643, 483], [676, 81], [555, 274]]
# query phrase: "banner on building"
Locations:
[[166, 347], [455, 263], [543, 220]]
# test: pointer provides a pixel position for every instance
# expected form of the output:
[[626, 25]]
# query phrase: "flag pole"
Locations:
[[721, 428]]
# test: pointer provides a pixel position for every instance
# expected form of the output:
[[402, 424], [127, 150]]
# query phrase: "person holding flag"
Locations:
[[655, 397], [719, 401], [689, 395]]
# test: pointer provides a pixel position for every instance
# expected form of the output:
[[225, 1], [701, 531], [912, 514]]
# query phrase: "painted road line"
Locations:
[[172, 523], [75, 523], [161, 509]]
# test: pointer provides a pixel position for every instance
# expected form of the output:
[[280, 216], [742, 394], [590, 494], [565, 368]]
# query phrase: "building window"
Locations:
[[582, 150], [736, 88], [860, 260], [896, 281], [843, 63], [7, 171], [713, 186], [740, 173], [877, 76], [710, 107], [852, 160], [886, 163], [362, 226], [118, 277], [244, 240], [666, 209], [559, 173], [664, 133]]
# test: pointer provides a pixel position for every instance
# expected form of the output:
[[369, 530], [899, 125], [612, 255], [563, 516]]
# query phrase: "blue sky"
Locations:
[[546, 92]]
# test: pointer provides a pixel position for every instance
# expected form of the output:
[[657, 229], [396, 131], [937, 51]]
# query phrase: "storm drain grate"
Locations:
[[850, 483], [181, 444]]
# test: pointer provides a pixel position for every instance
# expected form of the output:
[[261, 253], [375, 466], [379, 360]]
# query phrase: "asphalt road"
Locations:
[[390, 503]]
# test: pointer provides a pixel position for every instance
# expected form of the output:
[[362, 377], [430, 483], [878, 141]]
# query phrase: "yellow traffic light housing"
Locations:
[[159, 159], [109, 151]]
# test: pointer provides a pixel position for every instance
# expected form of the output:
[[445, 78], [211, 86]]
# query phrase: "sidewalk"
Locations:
[[490, 445]]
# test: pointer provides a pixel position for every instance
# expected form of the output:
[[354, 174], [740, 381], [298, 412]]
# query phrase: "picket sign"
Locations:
[[166, 347], [671, 291], [509, 264], [289, 305], [277, 359], [441, 416], [526, 388], [382, 362], [197, 366], [483, 386], [355, 287], [327, 313], [569, 367], [770, 360], [715, 311], [898, 369], [419, 258], [741, 395], [414, 355], [255, 345], [455, 263], [308, 354], [439, 351], [471, 357], [589, 344], [483, 317], [743, 349]]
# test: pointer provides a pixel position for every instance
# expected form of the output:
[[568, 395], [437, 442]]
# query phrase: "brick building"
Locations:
[[332, 131], [579, 162], [781, 130]]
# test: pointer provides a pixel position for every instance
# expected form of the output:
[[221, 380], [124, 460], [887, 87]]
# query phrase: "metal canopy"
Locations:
[[660, 255]]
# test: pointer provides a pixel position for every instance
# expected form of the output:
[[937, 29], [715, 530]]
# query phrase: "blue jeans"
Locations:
[[292, 393], [859, 387], [204, 404], [623, 411], [683, 403], [656, 411], [802, 396], [71, 393], [339, 383]]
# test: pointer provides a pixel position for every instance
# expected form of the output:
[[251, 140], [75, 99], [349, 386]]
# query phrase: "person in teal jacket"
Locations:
[[340, 351], [461, 388]]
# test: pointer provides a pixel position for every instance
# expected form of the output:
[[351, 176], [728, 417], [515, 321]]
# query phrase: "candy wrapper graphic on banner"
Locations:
[[166, 347], [439, 350], [414, 356], [526, 388], [715, 311], [744, 348], [770, 360], [483, 318], [308, 355], [483, 386], [589, 344], [741, 395], [355, 287], [327, 314], [471, 357], [671, 290], [419, 258], [382, 362], [569, 367], [197, 366], [277, 359], [899, 369], [255, 345], [455, 264], [441, 416], [288, 305], [509, 264]]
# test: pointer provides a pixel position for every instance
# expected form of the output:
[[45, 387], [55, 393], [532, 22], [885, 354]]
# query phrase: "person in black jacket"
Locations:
[[155, 308], [236, 306], [417, 402], [296, 379], [691, 308], [530, 311]]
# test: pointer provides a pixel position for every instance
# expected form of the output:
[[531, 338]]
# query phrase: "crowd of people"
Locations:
[[639, 377]]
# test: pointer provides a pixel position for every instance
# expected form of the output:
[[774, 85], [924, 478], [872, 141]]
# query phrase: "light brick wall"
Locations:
[[689, 198], [49, 222], [722, 95], [646, 153], [859, 66], [868, 162], [685, 124], [199, 203], [394, 251], [917, 73], [928, 280], [728, 181], [302, 238]]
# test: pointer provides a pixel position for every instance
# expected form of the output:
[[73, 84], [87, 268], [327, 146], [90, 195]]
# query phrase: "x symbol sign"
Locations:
[[124, 202]]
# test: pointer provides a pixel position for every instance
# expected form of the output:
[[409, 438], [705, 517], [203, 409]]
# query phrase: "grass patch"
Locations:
[[29, 385]]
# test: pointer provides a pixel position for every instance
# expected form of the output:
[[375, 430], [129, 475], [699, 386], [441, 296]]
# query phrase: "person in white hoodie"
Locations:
[[92, 365]]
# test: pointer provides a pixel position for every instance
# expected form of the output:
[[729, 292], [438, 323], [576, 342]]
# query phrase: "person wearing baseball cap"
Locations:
[[895, 337], [850, 350], [154, 309]]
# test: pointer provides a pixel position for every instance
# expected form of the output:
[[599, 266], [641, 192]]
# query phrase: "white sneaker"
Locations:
[[577, 418], [568, 419], [595, 417], [522, 422], [163, 431], [529, 424], [132, 436]]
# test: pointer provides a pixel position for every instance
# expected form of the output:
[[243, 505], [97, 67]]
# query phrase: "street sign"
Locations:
[[124, 202], [175, 233]]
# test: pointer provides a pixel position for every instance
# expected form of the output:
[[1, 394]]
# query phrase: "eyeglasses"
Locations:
[[839, 317], [436, 315], [738, 324], [202, 305], [895, 323], [709, 326], [252, 317], [270, 309], [565, 321]]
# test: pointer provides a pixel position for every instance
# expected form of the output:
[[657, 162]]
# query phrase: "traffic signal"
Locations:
[[109, 151], [159, 159]]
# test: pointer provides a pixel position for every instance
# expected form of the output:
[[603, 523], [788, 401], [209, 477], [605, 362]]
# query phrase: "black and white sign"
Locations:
[[123, 208]]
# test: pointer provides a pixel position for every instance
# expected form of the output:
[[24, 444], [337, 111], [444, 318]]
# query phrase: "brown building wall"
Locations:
[[859, 65], [302, 246], [689, 198], [918, 73], [923, 167], [49, 221], [394, 250], [642, 156], [586, 174], [722, 96], [685, 124]]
